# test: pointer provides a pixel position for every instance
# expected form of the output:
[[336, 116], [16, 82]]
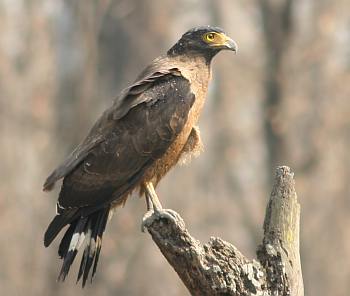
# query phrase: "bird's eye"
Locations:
[[209, 37]]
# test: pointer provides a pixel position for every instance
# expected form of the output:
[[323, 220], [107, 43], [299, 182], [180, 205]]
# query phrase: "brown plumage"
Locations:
[[133, 145]]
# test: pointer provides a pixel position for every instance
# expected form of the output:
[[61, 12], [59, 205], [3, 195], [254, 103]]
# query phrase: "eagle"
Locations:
[[132, 146]]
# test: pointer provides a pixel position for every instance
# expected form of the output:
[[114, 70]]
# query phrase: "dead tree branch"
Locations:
[[219, 268]]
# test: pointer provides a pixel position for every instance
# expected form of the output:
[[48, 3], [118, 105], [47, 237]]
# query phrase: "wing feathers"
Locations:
[[71, 162], [129, 98], [136, 142], [132, 96], [129, 137]]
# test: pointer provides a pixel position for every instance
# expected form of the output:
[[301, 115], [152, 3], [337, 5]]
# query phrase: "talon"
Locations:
[[157, 214], [155, 210], [147, 220]]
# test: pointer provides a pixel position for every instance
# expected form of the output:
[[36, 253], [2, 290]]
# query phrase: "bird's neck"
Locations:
[[178, 50], [193, 67]]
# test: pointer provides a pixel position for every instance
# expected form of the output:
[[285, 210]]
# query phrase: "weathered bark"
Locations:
[[219, 268]]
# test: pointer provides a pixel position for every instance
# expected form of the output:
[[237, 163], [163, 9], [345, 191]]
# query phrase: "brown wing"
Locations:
[[129, 146], [135, 141], [129, 98], [132, 96]]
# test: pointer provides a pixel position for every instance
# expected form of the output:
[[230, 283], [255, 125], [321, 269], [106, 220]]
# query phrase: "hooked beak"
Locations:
[[229, 44], [226, 43]]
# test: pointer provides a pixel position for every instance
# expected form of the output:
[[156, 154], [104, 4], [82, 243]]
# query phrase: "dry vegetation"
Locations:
[[284, 99]]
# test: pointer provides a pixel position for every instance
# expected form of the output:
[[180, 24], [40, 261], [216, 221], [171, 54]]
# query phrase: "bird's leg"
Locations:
[[154, 208], [152, 197], [149, 202]]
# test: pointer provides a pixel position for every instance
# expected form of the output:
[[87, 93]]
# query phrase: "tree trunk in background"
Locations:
[[277, 28]]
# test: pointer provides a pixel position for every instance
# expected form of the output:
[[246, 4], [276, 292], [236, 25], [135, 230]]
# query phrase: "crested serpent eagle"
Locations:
[[133, 145]]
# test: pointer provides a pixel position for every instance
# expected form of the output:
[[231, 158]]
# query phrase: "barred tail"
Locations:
[[87, 229]]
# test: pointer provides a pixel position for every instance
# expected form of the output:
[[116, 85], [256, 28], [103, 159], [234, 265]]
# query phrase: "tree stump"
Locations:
[[219, 268]]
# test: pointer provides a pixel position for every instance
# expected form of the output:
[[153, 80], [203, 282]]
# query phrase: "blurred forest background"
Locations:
[[283, 99]]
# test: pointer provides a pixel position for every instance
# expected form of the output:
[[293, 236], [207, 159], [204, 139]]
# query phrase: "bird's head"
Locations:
[[206, 41]]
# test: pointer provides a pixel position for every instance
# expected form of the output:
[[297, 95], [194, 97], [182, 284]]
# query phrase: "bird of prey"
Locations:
[[134, 143]]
